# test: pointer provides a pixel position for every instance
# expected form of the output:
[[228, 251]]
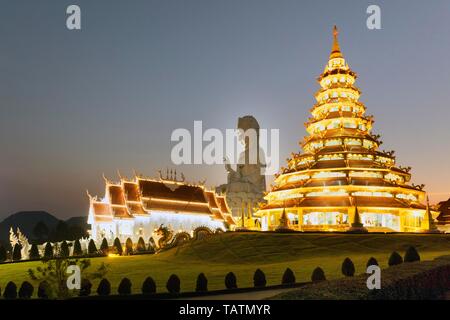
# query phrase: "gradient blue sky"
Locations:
[[75, 104]]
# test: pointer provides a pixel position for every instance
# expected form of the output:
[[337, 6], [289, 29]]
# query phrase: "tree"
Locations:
[[259, 279], [54, 273], [140, 245], [34, 252], [17, 254], [92, 249], [395, 259], [124, 287], [128, 246], [149, 286], [118, 246], [3, 254], [77, 251], [318, 275], [43, 290], [372, 262], [288, 277], [26, 290], [104, 288], [40, 231], [202, 283], [64, 250], [230, 281], [85, 288], [348, 268], [104, 247], [411, 255], [48, 251], [61, 232], [173, 284], [10, 291]]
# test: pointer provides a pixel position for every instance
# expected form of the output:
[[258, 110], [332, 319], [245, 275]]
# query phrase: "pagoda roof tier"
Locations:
[[336, 101], [342, 202], [334, 115], [337, 71], [177, 206], [339, 133]]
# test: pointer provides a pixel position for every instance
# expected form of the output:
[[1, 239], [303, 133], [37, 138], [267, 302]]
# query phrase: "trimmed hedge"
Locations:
[[395, 259], [202, 283], [104, 288], [412, 281], [149, 286], [230, 281], [318, 275], [288, 277], [411, 255], [173, 284], [26, 290], [348, 268], [124, 287], [372, 262], [259, 279]]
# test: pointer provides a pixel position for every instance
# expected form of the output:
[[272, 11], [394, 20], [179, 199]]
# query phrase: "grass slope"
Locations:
[[242, 253]]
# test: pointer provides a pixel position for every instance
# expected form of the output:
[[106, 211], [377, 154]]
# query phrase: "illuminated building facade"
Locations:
[[134, 208], [343, 171]]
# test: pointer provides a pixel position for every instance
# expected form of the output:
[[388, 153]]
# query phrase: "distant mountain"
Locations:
[[27, 220]]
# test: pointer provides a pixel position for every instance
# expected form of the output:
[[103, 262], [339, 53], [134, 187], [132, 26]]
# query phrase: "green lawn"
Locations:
[[242, 253]]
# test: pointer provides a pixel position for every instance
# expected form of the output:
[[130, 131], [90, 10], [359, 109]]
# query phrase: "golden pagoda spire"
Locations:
[[336, 49]]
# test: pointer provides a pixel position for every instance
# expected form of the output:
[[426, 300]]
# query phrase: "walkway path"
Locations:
[[255, 295]]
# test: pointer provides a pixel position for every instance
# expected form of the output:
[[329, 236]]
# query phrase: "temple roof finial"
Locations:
[[335, 50]]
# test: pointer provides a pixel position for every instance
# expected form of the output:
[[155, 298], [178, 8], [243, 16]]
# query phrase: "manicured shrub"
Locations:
[[173, 284], [372, 262], [395, 259], [43, 290], [77, 248], [34, 252], [26, 290], [48, 251], [348, 268], [128, 246], [151, 245], [118, 246], [149, 286], [124, 287], [140, 245], [104, 247], [85, 288], [104, 288], [318, 275], [10, 291], [259, 279], [411, 255], [2, 253], [17, 255], [202, 283], [64, 251], [92, 248], [288, 277], [230, 281]]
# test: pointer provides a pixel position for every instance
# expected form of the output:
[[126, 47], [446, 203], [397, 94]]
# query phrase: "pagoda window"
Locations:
[[352, 142], [343, 94], [393, 177], [348, 124], [298, 178], [406, 196], [372, 194], [324, 218], [365, 174], [362, 127], [343, 79], [334, 109], [414, 219], [346, 108], [329, 174], [284, 195], [335, 80], [375, 219], [333, 142], [317, 145], [327, 81], [383, 159], [331, 157], [367, 144]]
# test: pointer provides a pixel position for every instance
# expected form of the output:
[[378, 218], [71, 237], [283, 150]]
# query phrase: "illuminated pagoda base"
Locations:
[[342, 170], [134, 208]]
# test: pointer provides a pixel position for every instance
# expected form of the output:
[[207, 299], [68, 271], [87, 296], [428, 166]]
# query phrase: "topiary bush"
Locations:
[[104, 288], [318, 275], [34, 252], [128, 246], [92, 248], [259, 279], [173, 284], [85, 288], [118, 246], [26, 290], [77, 248], [17, 254], [230, 281], [2, 253], [140, 245], [48, 251], [411, 255], [371, 262], [104, 247], [149, 286], [288, 277], [202, 283], [124, 287], [43, 290], [10, 291], [64, 251], [395, 259], [348, 268]]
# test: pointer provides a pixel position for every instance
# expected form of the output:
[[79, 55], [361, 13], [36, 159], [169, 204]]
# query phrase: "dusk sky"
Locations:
[[76, 104]]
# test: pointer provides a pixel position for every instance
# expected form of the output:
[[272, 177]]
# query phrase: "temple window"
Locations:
[[331, 157], [352, 142], [372, 194], [333, 142], [365, 174], [367, 144], [346, 108], [329, 174], [406, 196], [324, 218]]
